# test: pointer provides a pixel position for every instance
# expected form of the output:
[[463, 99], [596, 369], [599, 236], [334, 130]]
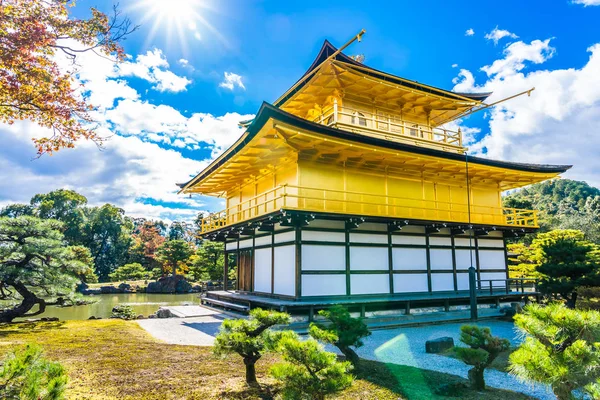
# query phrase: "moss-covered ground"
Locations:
[[114, 359]]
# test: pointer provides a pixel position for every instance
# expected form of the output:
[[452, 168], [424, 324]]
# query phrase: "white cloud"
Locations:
[[231, 81], [556, 125], [469, 32], [152, 68], [587, 2], [497, 34], [183, 62], [454, 65]]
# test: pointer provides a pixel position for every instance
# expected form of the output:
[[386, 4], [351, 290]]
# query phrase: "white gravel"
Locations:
[[405, 346]]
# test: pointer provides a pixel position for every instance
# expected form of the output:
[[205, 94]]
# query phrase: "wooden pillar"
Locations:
[[225, 267]]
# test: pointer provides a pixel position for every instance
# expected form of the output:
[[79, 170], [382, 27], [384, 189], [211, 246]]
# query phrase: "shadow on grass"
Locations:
[[7, 329], [264, 392]]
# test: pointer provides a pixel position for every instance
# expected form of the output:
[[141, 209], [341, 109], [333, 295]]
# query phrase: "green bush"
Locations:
[[560, 349], [250, 338], [27, 375], [588, 298], [123, 311], [482, 351], [344, 332], [130, 272], [309, 372]]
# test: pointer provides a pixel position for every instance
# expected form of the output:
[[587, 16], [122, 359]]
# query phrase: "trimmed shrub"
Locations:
[[123, 311]]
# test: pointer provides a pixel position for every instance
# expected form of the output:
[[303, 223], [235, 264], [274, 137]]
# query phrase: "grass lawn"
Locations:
[[114, 359], [500, 363]]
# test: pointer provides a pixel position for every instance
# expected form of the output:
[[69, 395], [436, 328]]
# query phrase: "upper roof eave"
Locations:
[[328, 49], [268, 111]]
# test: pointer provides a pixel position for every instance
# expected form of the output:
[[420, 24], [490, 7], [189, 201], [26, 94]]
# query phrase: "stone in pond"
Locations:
[[439, 345]]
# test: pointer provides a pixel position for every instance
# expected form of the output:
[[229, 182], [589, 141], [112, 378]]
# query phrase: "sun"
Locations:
[[178, 20]]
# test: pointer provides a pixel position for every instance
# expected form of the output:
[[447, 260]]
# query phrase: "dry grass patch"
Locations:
[[115, 359]]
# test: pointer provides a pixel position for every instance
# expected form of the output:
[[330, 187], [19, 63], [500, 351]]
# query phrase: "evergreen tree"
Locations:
[[560, 349], [483, 349], [35, 263], [566, 262], [208, 261], [344, 332], [250, 338], [26, 374], [309, 372], [174, 254], [130, 272]]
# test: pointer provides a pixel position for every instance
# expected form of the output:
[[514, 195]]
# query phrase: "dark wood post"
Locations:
[[225, 269], [473, 292]]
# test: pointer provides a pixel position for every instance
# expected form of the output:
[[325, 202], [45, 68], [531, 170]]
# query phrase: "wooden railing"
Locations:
[[292, 197], [511, 285], [390, 127]]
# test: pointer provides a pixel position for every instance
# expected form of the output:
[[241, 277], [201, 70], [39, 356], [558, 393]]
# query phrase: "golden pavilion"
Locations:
[[349, 189]]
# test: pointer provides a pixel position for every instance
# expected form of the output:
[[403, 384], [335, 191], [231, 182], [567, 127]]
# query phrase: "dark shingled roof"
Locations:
[[328, 49], [268, 111]]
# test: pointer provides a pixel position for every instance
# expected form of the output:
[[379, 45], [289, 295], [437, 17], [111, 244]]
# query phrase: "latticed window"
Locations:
[[358, 118]]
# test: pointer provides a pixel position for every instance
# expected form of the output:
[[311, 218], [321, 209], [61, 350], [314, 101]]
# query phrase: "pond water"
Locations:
[[142, 303]]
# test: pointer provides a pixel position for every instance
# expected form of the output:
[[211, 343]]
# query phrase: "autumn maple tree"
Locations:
[[35, 85]]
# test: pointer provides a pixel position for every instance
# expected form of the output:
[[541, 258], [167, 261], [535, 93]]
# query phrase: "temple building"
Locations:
[[350, 189]]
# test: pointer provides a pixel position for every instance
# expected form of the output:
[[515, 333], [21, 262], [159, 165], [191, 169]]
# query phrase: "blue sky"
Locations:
[[171, 108]]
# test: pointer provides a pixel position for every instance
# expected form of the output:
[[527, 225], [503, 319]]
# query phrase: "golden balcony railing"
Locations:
[[291, 197], [390, 127]]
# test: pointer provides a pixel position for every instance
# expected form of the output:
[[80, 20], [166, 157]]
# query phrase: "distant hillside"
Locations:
[[563, 204]]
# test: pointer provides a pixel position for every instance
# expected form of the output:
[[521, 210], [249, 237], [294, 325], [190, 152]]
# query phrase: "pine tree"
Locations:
[[309, 372], [250, 338], [560, 349], [35, 265], [482, 351], [26, 375], [347, 331]]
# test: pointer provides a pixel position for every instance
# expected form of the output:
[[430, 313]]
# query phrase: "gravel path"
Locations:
[[405, 346]]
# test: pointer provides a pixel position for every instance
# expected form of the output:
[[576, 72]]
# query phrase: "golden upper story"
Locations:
[[348, 139]]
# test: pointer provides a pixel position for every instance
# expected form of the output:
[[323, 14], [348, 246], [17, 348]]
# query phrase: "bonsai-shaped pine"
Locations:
[[36, 268], [123, 311], [27, 375], [482, 351], [250, 338], [347, 331], [309, 371], [560, 349]]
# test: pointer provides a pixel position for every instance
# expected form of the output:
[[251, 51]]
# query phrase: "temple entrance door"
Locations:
[[245, 271]]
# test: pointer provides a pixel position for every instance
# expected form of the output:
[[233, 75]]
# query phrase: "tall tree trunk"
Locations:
[[29, 301], [250, 363]]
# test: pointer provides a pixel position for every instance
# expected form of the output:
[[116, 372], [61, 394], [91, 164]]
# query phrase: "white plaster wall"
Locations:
[[491, 243], [404, 283], [405, 239], [462, 281], [440, 258], [285, 270], [231, 246], [322, 257], [263, 240], [368, 238], [440, 241], [324, 236], [464, 242], [492, 275], [369, 258], [285, 237], [463, 258], [492, 259], [442, 282], [262, 270], [245, 243], [408, 258], [369, 284], [323, 285]]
